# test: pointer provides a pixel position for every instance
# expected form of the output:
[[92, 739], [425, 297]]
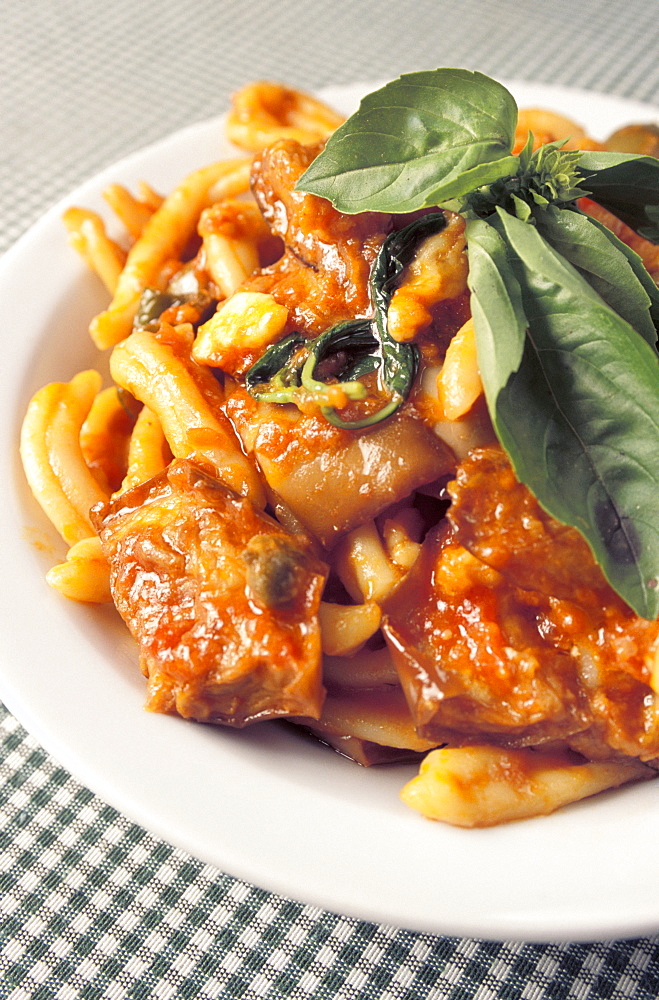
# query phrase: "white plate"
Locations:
[[265, 804]]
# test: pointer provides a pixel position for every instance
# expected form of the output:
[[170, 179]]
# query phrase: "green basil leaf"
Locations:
[[152, 305], [352, 345], [287, 370], [420, 140], [397, 251], [496, 308], [360, 352], [628, 185], [399, 361], [580, 417], [599, 256], [637, 266], [275, 377], [651, 231]]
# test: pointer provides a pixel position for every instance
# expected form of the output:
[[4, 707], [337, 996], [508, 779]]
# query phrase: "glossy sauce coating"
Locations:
[[322, 277], [505, 630], [333, 479], [221, 599]]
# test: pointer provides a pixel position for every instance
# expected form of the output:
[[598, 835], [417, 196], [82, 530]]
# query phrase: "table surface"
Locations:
[[91, 905]]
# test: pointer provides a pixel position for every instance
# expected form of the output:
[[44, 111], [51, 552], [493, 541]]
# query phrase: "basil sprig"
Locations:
[[286, 372], [443, 135], [566, 315]]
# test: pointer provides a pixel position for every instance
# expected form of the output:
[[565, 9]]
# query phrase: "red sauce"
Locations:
[[485, 646]]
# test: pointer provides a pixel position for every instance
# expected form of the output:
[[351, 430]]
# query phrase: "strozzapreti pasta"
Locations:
[[291, 535]]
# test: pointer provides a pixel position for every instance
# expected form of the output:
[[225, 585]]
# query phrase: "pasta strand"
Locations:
[[52, 457], [159, 377], [165, 236]]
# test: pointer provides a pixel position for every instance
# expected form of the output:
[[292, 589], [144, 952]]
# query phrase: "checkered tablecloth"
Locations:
[[91, 905]]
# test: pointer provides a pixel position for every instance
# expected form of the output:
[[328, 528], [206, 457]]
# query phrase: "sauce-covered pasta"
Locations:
[[294, 494]]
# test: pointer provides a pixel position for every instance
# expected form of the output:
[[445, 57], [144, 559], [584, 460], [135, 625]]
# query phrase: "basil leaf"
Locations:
[[351, 345], [399, 360], [599, 256], [420, 140], [275, 377], [397, 363], [286, 371], [396, 253], [651, 231], [496, 308], [152, 305], [637, 266], [579, 418], [627, 185]]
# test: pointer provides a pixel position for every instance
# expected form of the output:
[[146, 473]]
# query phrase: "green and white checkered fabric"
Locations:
[[92, 906]]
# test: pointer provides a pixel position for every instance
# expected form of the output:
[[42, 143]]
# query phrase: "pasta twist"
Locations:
[[263, 112]]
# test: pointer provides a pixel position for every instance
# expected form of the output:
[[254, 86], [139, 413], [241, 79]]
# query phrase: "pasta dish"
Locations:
[[299, 497]]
